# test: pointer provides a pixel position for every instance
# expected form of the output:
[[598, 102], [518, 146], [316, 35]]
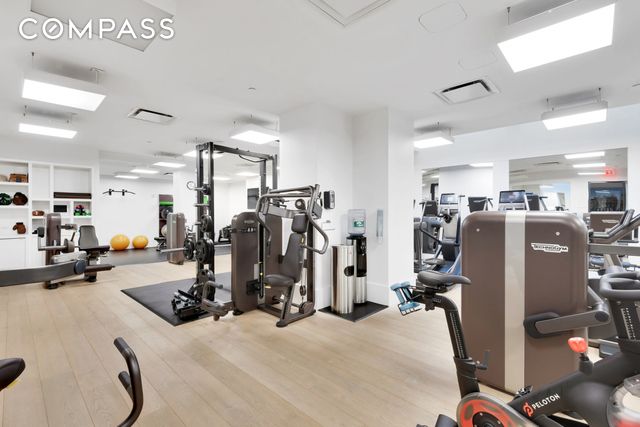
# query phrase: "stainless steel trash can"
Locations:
[[342, 279], [359, 244]]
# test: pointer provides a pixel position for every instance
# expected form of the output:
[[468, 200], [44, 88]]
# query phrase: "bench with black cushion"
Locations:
[[88, 242]]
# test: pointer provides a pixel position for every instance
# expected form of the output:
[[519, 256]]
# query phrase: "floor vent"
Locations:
[[468, 91], [150, 116]]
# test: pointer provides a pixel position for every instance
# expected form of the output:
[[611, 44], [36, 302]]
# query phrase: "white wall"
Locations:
[[131, 215], [183, 198], [467, 181], [316, 148]]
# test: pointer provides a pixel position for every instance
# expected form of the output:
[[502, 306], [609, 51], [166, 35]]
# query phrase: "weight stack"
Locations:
[[521, 264]]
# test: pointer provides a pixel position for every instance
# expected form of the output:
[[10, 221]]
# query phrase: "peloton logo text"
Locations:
[[530, 408], [54, 29], [549, 248]]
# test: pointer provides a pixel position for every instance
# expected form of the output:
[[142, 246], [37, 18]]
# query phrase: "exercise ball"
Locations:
[[119, 242], [140, 242]]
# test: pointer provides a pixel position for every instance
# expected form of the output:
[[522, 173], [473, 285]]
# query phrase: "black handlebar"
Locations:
[[131, 381], [621, 286]]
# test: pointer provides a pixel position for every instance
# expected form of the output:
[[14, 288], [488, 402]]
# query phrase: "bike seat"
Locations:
[[435, 279]]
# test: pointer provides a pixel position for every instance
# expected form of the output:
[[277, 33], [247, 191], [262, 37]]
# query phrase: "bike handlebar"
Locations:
[[621, 286], [131, 381]]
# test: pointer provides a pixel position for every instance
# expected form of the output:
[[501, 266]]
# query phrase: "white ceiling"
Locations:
[[294, 54]]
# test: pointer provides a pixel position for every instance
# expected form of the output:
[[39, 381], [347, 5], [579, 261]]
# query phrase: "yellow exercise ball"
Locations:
[[119, 242], [140, 242]]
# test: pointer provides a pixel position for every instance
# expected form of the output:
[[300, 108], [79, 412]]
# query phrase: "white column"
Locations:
[[633, 176], [401, 180], [371, 192], [384, 181], [316, 148]]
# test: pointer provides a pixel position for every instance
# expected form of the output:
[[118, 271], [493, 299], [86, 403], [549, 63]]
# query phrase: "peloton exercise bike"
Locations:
[[593, 396]]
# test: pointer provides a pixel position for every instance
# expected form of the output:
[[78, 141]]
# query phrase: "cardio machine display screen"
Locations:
[[515, 197], [448, 199]]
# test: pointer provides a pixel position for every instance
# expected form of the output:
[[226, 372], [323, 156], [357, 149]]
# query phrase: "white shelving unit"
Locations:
[[45, 179], [14, 246]]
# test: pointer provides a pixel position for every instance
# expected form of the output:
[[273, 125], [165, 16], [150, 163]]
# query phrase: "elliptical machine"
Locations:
[[594, 394], [447, 256]]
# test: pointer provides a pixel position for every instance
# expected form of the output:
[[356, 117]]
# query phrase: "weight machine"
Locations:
[[261, 276]]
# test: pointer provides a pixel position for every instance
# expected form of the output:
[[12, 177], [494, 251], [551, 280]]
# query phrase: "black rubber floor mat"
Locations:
[[157, 298], [360, 311]]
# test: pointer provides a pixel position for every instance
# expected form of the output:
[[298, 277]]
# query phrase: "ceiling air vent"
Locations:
[[466, 92], [347, 12], [150, 116]]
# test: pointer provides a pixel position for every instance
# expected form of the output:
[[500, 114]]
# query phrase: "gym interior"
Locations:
[[320, 213]]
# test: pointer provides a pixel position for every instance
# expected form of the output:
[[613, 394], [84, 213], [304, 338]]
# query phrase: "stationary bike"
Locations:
[[591, 396]]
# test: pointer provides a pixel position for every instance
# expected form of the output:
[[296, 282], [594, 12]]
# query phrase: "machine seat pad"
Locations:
[[278, 280], [434, 261], [101, 248], [436, 279]]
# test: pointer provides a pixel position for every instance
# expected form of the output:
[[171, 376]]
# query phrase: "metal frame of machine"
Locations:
[[190, 304]]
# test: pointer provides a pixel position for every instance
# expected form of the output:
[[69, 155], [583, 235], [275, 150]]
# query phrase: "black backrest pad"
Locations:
[[299, 223], [88, 237], [293, 260]]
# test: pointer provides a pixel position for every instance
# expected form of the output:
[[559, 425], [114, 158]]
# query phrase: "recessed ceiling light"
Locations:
[[171, 165], [221, 178], [247, 174], [584, 155], [122, 176], [589, 31], [578, 116], [590, 165], [47, 131], [437, 138], [59, 90], [435, 176], [592, 173], [144, 171], [481, 165], [192, 154], [254, 134], [546, 186]]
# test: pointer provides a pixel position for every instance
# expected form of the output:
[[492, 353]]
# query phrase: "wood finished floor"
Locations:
[[323, 371]]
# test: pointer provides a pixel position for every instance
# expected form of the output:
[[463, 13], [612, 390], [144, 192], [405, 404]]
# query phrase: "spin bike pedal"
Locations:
[[403, 292]]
